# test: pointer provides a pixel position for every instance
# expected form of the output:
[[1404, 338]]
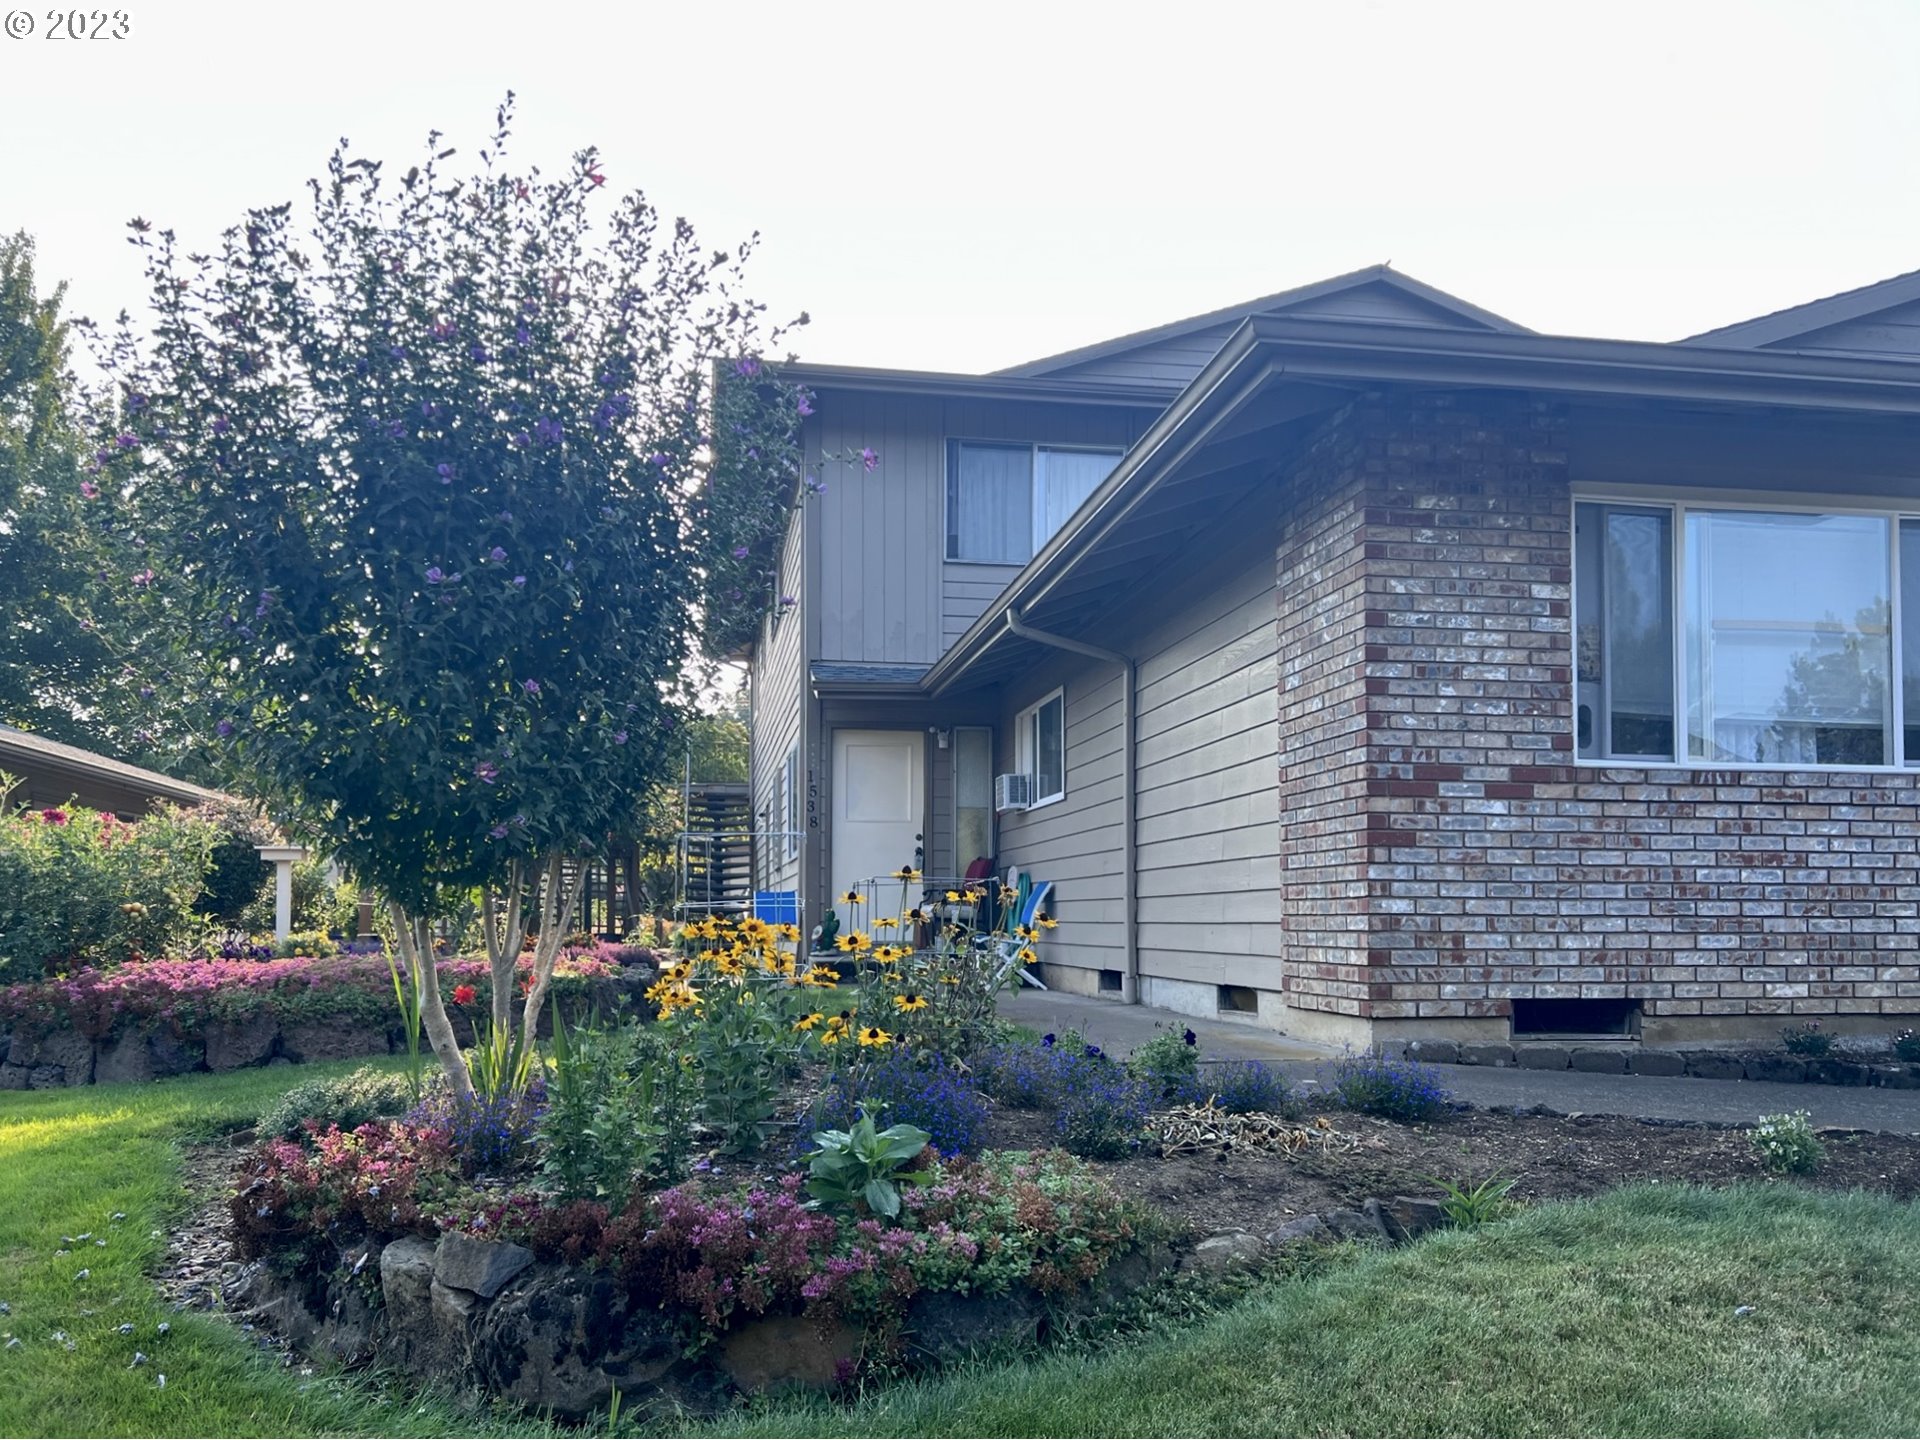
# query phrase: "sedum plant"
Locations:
[[1786, 1143]]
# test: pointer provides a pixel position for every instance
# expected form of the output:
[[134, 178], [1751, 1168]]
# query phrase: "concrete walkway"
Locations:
[[1119, 1028]]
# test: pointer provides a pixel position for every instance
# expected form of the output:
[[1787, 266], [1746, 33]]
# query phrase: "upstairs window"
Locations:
[[1714, 635], [1006, 501]]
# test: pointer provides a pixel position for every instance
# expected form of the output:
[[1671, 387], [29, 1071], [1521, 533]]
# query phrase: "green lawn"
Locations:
[[1613, 1317]]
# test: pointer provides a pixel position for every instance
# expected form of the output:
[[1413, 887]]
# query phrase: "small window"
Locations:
[[1041, 741], [790, 803], [1623, 569], [1004, 502]]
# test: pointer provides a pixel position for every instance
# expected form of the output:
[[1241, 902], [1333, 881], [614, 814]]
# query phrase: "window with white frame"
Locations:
[[1762, 634], [1005, 501], [790, 803], [1040, 747]]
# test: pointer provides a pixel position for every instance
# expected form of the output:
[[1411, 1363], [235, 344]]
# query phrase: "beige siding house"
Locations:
[[1368, 666]]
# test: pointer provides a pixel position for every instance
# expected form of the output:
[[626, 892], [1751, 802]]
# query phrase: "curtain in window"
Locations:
[[1062, 481], [989, 504]]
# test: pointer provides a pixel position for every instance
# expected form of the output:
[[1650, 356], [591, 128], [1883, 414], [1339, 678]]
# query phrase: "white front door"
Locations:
[[879, 780]]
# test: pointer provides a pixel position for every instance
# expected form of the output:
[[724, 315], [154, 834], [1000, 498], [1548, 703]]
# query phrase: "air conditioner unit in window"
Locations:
[[1012, 792]]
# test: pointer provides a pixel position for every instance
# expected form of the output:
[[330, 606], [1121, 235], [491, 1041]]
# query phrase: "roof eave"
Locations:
[[976, 387]]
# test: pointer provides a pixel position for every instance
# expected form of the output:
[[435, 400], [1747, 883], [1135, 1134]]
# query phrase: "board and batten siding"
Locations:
[[1207, 800], [886, 590], [778, 691]]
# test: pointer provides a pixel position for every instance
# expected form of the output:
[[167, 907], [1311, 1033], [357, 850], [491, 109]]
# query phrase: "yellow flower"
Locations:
[[917, 916], [974, 892], [888, 954], [1025, 932], [949, 979], [841, 1023], [821, 977], [874, 1035], [853, 943], [884, 922], [907, 874], [1026, 955], [787, 932], [807, 1022], [907, 1004], [731, 966], [953, 897], [830, 1037], [1008, 895], [852, 897], [1047, 922]]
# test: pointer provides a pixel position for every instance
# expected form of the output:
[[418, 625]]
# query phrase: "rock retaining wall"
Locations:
[[35, 1060], [1840, 1069]]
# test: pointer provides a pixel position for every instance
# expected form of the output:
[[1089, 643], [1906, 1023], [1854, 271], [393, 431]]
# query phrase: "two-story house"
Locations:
[[1371, 665]]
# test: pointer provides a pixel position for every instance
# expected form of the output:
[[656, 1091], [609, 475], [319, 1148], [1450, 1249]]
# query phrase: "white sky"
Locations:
[[967, 185]]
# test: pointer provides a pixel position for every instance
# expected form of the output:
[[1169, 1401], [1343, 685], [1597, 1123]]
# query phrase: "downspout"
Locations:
[[1130, 941]]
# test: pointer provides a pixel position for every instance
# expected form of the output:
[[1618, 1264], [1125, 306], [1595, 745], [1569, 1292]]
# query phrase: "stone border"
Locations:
[[486, 1318], [30, 1060], [1398, 1221], [1773, 1066]]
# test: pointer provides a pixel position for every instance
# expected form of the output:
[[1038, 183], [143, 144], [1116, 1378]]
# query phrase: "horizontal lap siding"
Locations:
[[1207, 837], [1075, 842], [966, 592], [777, 692]]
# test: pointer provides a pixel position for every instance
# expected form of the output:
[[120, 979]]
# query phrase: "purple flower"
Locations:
[[657, 458], [804, 404], [486, 772], [221, 425], [428, 409], [223, 729], [445, 472], [869, 457], [146, 692], [126, 440], [739, 552], [748, 367], [435, 575], [398, 352], [619, 737], [548, 429], [496, 554], [521, 439], [479, 353], [505, 516], [143, 579], [89, 489], [521, 335], [787, 602], [397, 429], [136, 402], [498, 832], [532, 687], [519, 582]]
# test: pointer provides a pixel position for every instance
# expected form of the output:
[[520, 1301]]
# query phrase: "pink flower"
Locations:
[[870, 458], [89, 489], [54, 816]]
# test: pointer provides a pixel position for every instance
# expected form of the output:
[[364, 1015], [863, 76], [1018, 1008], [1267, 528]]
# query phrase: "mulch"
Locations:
[[1548, 1156]]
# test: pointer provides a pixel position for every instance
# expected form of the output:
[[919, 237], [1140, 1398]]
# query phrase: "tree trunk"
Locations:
[[416, 952], [556, 914], [503, 940]]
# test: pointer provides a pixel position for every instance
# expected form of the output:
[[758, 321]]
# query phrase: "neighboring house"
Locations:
[[50, 773], [1377, 667]]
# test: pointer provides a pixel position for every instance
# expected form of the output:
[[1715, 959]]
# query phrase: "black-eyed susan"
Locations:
[[821, 977], [891, 954], [908, 1003], [732, 966], [1047, 922], [1008, 895], [916, 916], [885, 922], [953, 897], [906, 874], [1025, 955], [874, 1035], [787, 932], [1025, 932], [852, 897], [807, 1022]]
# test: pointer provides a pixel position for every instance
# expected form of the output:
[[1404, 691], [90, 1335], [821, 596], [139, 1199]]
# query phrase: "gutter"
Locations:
[[1129, 867]]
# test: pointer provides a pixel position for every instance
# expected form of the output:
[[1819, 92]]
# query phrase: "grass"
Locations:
[[71, 1159], [1616, 1316], [1611, 1317]]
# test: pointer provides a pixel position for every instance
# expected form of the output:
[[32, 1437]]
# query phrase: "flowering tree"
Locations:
[[431, 483]]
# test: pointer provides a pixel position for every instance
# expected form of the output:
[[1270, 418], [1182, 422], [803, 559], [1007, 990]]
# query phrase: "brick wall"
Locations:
[[1495, 869]]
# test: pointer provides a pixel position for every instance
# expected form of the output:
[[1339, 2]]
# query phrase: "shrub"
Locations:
[[1806, 1039], [345, 1103], [607, 1107], [1392, 1089], [81, 888], [236, 876], [1906, 1046], [1787, 1143], [902, 1087], [315, 944], [1245, 1087], [1167, 1064], [1103, 1110], [378, 1179]]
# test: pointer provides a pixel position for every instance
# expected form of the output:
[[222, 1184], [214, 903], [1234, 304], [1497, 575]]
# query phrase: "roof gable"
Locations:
[[1881, 320], [1177, 351]]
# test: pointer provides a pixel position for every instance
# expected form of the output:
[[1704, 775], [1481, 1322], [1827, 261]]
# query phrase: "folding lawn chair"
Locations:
[[1009, 948]]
